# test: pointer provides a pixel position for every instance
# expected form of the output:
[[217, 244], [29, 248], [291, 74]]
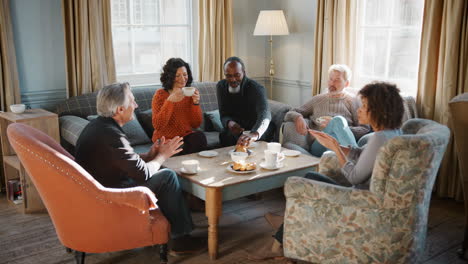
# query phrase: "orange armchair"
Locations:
[[87, 216]]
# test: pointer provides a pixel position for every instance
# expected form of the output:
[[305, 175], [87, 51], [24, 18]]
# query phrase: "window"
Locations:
[[146, 33], [389, 34]]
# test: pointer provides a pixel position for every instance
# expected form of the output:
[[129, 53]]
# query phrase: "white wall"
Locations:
[[250, 48], [40, 51], [293, 54]]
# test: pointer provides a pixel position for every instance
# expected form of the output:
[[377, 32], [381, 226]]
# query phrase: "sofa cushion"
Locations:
[[71, 127], [134, 131], [145, 118], [213, 120], [212, 139]]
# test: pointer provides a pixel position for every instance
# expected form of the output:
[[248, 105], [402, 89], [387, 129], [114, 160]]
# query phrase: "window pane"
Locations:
[[147, 49], [119, 12], [174, 43], [374, 52], [377, 12], [150, 32], [175, 12], [408, 13], [122, 47], [404, 54], [146, 12]]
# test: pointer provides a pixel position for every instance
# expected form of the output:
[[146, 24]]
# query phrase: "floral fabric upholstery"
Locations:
[[387, 224]]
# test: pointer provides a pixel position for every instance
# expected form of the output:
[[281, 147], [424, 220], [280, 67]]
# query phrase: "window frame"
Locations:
[[391, 29], [152, 78]]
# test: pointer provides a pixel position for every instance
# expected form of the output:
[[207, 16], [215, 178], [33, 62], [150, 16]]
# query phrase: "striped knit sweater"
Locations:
[[174, 119], [323, 105]]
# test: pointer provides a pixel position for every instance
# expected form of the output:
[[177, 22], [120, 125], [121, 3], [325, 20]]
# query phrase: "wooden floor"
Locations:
[[30, 238]]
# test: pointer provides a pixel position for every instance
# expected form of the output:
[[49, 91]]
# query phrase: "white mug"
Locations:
[[188, 91], [273, 158], [274, 146], [191, 166]]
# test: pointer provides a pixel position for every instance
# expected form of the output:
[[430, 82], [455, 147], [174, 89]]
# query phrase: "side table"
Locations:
[[12, 168]]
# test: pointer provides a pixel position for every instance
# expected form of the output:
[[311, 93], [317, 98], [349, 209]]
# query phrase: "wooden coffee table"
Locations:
[[214, 183]]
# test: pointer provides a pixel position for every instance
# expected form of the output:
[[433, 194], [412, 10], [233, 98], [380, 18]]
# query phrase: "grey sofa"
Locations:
[[75, 111]]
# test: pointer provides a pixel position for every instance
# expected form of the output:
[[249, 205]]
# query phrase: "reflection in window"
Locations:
[[146, 33], [389, 35]]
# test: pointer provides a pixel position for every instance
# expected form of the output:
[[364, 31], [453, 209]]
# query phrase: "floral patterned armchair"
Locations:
[[387, 224]]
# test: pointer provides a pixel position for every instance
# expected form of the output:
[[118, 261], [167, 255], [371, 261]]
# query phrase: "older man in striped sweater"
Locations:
[[334, 112]]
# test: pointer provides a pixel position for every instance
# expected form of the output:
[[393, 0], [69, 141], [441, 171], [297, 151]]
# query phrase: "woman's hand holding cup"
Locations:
[[196, 97]]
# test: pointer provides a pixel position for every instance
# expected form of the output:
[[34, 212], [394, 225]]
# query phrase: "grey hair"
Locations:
[[343, 69], [110, 97]]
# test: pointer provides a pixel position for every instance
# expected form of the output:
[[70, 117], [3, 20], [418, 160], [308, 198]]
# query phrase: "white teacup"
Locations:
[[273, 158], [274, 147], [239, 156], [188, 91], [191, 166], [246, 132]]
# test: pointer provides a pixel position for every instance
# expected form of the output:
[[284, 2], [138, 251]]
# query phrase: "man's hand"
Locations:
[[176, 96], [235, 128], [153, 151], [170, 147], [246, 139], [301, 126], [196, 97]]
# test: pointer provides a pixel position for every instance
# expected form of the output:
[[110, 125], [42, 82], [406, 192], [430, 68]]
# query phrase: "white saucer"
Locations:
[[279, 166], [189, 173], [250, 152], [291, 153], [208, 153]]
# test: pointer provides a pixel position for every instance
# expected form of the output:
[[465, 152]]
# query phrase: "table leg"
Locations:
[[213, 212]]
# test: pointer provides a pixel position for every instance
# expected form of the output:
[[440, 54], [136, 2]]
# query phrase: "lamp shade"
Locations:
[[271, 22]]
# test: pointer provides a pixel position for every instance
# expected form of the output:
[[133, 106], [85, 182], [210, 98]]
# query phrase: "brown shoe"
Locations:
[[186, 245], [274, 220]]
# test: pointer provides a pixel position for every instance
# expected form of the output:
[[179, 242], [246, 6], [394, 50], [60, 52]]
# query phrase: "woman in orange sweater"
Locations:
[[175, 114]]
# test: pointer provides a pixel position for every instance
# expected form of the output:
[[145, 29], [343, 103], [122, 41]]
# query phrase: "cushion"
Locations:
[[212, 139], [71, 128], [214, 118], [145, 118], [134, 131]]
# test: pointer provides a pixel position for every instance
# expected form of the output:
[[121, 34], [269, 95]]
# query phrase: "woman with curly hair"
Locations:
[[175, 114], [382, 109]]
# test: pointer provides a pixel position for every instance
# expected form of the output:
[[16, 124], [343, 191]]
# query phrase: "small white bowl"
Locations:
[[18, 108], [239, 156]]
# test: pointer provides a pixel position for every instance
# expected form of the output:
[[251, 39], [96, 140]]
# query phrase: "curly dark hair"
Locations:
[[169, 70], [384, 104]]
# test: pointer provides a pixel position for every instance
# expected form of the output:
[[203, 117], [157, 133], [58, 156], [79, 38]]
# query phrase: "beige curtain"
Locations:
[[9, 84], [88, 45], [214, 39], [335, 38], [443, 74]]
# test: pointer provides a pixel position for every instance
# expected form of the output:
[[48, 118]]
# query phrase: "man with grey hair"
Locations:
[[105, 152], [334, 112]]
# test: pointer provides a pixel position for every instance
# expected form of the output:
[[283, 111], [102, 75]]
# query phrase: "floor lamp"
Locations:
[[271, 23]]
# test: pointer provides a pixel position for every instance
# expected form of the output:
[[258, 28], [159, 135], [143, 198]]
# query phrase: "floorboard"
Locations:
[[31, 238]]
